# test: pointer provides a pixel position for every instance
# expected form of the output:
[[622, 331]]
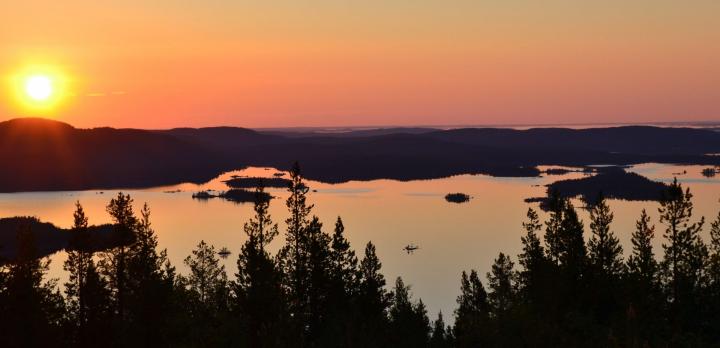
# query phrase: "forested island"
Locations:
[[570, 286], [611, 182]]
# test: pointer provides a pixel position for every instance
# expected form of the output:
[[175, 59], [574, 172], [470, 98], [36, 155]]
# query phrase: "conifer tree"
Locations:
[[409, 325], [685, 252], [85, 290], [114, 262], [643, 301], [344, 281], [148, 294], [714, 261], [503, 286], [207, 300], [343, 259], [294, 256], [320, 280], [372, 301], [641, 264], [207, 279], [683, 267], [604, 247], [260, 302], [440, 337], [32, 308], [472, 313], [532, 259], [573, 254]]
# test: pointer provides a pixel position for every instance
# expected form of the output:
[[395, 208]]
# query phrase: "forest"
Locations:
[[570, 286]]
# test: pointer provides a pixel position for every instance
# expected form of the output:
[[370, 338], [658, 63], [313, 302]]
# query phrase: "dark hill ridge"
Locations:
[[38, 154]]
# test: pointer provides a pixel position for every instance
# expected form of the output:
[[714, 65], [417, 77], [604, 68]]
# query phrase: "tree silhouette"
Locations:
[[208, 297], [644, 300], [472, 314], [532, 259], [86, 294], [32, 309], [409, 324], [440, 337], [259, 299], [685, 254], [372, 301], [113, 263], [604, 247], [503, 286], [293, 258]]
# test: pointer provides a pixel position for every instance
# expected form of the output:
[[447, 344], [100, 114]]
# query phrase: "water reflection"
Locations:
[[452, 237]]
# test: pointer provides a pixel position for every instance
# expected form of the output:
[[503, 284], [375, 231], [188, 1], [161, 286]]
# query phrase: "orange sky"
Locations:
[[163, 63]]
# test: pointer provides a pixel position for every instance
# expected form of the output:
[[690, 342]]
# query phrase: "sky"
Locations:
[[285, 63]]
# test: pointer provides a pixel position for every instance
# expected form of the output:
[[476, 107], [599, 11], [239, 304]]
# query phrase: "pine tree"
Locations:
[[714, 261], [553, 226], [532, 259], [641, 264], [643, 301], [604, 247], [113, 263], [207, 300], [148, 295], [294, 256], [409, 325], [344, 281], [503, 286], [440, 337], [207, 279], [472, 314], [685, 254], [573, 254], [32, 309], [260, 303], [343, 259], [320, 281], [86, 293], [372, 301]]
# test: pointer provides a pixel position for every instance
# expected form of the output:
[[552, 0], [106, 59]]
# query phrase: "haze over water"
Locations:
[[391, 214]]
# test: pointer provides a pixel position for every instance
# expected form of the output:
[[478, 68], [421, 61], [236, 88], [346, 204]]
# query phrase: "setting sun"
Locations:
[[39, 87]]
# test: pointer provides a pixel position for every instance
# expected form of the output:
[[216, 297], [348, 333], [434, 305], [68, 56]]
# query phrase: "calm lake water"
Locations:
[[452, 237]]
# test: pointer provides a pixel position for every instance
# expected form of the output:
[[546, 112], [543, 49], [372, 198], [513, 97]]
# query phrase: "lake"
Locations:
[[452, 237]]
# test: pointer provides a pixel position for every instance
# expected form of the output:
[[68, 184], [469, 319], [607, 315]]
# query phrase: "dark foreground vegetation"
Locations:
[[48, 155], [566, 290]]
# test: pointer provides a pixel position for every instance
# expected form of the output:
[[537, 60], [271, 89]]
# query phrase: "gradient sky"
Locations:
[[168, 63]]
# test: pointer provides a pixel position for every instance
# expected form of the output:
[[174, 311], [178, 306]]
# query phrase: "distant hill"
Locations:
[[39, 154]]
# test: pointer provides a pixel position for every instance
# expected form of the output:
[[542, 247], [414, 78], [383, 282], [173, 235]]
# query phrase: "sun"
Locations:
[[39, 87]]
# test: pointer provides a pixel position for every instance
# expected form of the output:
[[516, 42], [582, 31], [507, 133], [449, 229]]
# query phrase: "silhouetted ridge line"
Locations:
[[48, 155]]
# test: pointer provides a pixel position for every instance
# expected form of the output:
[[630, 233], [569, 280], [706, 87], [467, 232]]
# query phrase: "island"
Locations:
[[457, 197], [234, 195], [709, 172], [612, 182], [49, 238]]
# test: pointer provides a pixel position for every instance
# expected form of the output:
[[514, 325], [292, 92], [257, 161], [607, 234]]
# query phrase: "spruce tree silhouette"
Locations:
[[259, 302]]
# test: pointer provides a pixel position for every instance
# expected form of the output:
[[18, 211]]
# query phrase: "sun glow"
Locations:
[[39, 89]]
